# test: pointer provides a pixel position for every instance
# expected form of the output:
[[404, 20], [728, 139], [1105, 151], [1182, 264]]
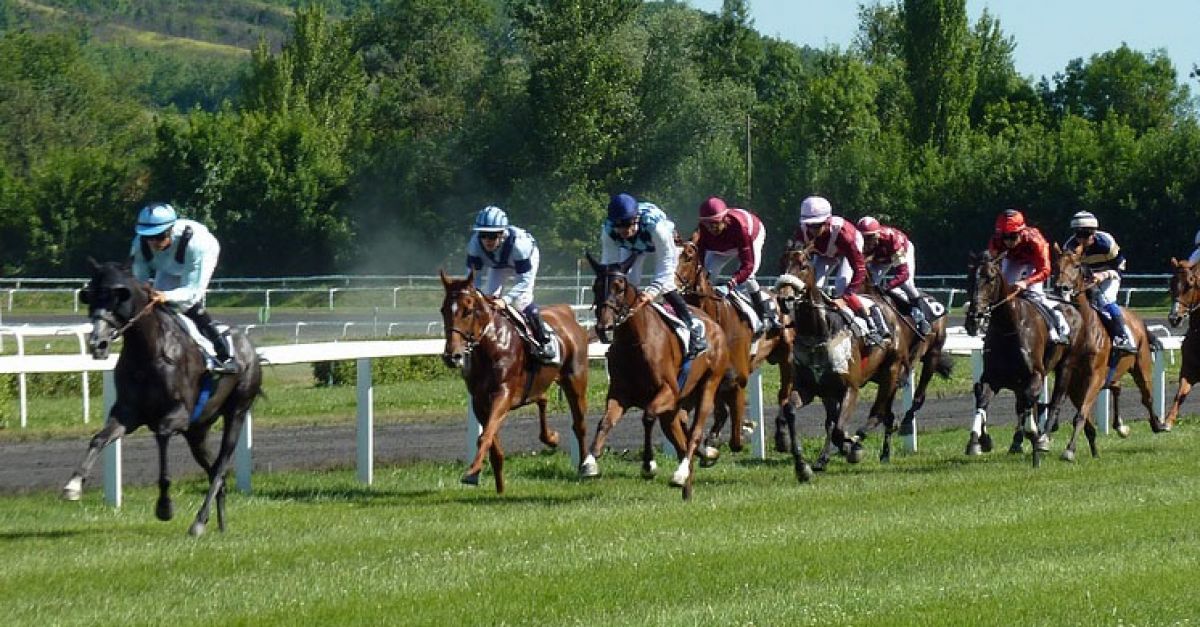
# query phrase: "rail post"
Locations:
[[112, 452], [243, 456], [910, 439], [758, 440], [366, 422]]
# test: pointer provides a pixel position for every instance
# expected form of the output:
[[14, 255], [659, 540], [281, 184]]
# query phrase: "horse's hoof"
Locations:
[[1042, 443], [985, 442], [709, 456], [164, 510], [855, 454], [819, 466], [589, 468], [804, 473], [470, 479], [649, 469], [974, 450], [1068, 456], [885, 459], [197, 529], [1123, 431], [551, 440], [748, 429], [73, 491], [680, 476]]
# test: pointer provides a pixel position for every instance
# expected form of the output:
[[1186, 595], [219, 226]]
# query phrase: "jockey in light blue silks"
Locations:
[[177, 257], [641, 228], [1103, 256], [505, 251]]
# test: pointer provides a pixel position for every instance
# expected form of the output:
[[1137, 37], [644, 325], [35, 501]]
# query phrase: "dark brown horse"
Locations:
[[697, 290], [502, 376], [1185, 299], [833, 362], [1017, 355], [1093, 364], [159, 377], [644, 365]]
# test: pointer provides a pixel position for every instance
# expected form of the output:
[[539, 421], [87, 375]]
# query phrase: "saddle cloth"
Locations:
[[677, 325], [744, 307], [206, 347], [518, 319]]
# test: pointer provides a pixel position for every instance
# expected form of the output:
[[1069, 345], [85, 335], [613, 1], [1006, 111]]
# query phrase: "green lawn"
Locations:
[[934, 539]]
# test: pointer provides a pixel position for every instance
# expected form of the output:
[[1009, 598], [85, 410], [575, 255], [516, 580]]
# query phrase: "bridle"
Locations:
[[471, 339], [115, 328], [692, 287], [1189, 287], [622, 310]]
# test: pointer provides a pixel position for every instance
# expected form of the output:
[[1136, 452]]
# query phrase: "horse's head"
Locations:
[[1071, 275], [985, 287], [466, 315], [1185, 290], [613, 295], [690, 274], [114, 298]]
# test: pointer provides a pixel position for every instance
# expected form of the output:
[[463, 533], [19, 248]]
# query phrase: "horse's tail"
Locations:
[[944, 365]]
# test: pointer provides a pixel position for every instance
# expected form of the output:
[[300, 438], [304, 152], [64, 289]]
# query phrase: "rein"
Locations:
[[121, 328]]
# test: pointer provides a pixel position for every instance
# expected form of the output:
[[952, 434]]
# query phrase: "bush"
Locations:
[[50, 385], [385, 370]]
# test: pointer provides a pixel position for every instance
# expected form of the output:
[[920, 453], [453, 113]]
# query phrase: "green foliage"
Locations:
[[383, 371], [1137, 87], [940, 59]]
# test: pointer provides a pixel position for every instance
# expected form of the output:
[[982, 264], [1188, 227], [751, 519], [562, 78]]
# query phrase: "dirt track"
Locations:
[[46, 465]]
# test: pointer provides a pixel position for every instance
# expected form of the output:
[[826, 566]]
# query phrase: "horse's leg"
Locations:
[[496, 457], [491, 421], [548, 436], [784, 400], [613, 412], [1185, 387], [1114, 408], [832, 407], [710, 452], [838, 433], [703, 409], [574, 387], [1057, 393], [1027, 403], [980, 440], [918, 400], [163, 509], [234, 419], [649, 466], [1144, 378], [113, 429], [738, 411]]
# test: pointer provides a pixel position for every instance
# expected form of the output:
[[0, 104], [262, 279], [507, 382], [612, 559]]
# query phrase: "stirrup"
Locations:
[[229, 366], [1122, 344], [696, 345]]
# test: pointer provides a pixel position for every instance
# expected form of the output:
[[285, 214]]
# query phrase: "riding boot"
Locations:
[[770, 318], [879, 323], [696, 343], [543, 348], [1115, 324], [225, 361]]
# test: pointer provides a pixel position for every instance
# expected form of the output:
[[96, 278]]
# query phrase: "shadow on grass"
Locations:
[[7, 536]]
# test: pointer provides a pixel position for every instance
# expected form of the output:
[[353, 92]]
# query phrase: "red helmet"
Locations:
[[1011, 221], [868, 225], [713, 210]]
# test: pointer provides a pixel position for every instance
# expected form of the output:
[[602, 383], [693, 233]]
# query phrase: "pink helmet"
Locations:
[[713, 210], [868, 225]]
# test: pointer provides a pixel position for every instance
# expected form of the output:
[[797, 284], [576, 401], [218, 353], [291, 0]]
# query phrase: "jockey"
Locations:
[[1103, 256], [1026, 265], [641, 228], [1195, 256], [177, 257], [839, 252], [890, 252], [506, 251], [729, 233]]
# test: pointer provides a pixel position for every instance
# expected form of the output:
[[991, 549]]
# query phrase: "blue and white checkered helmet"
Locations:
[[155, 218], [491, 219]]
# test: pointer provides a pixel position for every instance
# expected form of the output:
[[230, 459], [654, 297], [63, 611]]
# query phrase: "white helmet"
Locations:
[[815, 210], [1084, 220]]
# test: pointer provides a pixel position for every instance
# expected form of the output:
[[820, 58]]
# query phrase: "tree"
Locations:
[[940, 64], [1136, 86]]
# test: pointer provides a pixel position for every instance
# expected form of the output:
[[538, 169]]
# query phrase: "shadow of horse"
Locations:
[[159, 377]]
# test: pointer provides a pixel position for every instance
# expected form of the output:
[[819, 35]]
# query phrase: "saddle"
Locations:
[[677, 325], [744, 308], [205, 346], [522, 325]]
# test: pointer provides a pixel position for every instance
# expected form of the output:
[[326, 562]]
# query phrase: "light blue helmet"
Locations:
[[155, 218], [491, 218]]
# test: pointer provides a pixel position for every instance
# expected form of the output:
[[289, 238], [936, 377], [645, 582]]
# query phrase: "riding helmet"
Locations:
[[622, 209], [491, 218], [1011, 221], [867, 225], [815, 210], [155, 218], [1084, 220], [713, 210]]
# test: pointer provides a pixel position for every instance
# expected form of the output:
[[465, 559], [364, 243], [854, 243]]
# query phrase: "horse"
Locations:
[[1094, 363], [1017, 355], [160, 380], [501, 375], [1185, 299], [647, 370], [696, 287], [833, 362]]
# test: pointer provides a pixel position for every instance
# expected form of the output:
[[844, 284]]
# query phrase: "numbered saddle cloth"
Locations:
[[744, 307], [522, 324], [677, 325]]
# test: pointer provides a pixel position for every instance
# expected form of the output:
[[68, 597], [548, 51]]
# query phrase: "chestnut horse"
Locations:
[[160, 379], [501, 375], [644, 365], [1185, 299], [1093, 364], [834, 363], [1017, 355]]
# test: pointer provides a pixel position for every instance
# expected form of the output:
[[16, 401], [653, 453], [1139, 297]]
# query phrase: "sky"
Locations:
[[1048, 33]]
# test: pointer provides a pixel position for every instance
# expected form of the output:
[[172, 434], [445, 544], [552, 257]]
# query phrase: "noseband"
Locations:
[[470, 339], [116, 328], [622, 311]]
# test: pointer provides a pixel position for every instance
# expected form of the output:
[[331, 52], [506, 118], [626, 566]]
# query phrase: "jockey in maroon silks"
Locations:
[[892, 266], [1026, 265], [838, 247], [728, 233]]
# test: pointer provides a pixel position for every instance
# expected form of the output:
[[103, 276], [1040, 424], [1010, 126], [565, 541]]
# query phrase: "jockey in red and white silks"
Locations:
[[728, 233], [892, 266], [1026, 264]]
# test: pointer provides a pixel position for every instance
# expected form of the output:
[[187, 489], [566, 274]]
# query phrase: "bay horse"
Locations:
[[1185, 299], [1017, 355], [833, 362], [159, 378], [1093, 363], [645, 361], [501, 375]]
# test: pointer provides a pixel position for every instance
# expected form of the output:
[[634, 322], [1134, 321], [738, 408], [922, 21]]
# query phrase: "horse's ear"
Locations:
[[1057, 249], [596, 267], [1174, 262], [445, 279], [470, 280], [95, 265], [696, 236]]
